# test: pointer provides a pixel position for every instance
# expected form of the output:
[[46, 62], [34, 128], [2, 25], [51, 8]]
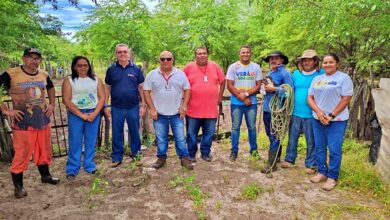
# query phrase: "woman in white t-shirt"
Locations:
[[329, 96], [83, 95]]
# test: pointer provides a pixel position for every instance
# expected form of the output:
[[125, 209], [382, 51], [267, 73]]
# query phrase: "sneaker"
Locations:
[[159, 163], [185, 162], [310, 171], [206, 158], [329, 184], [70, 177], [233, 156], [286, 165], [192, 159], [318, 178]]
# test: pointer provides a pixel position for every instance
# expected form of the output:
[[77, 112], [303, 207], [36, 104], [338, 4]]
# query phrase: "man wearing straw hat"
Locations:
[[308, 65]]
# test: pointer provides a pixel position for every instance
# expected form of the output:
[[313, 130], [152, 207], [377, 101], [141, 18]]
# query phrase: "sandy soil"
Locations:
[[140, 192]]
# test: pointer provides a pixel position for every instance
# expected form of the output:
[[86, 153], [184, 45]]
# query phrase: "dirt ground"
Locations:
[[211, 191]]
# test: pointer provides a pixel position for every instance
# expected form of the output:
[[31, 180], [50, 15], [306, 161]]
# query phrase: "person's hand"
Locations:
[[142, 110], [220, 100], [84, 116], [49, 110], [153, 114], [242, 95], [247, 101], [91, 117], [183, 112], [107, 111], [16, 115], [270, 87], [323, 118]]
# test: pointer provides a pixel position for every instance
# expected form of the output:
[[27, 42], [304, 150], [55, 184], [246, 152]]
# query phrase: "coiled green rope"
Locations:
[[281, 111]]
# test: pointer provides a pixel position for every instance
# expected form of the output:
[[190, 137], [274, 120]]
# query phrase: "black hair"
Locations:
[[202, 47], [74, 72], [245, 46], [335, 57]]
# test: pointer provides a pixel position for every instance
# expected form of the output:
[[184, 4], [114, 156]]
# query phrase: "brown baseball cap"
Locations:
[[31, 50]]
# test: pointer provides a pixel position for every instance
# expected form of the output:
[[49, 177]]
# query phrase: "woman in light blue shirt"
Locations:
[[329, 96]]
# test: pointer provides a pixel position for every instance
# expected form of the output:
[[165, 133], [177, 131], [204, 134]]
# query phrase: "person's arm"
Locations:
[[101, 101], [255, 89], [142, 109], [234, 91], [51, 93], [183, 108], [221, 91], [149, 102], [5, 83], [67, 100], [107, 92]]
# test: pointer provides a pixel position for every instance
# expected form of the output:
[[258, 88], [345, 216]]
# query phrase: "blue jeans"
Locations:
[[296, 124], [81, 132], [118, 117], [273, 140], [161, 127], [208, 129], [329, 137], [250, 112]]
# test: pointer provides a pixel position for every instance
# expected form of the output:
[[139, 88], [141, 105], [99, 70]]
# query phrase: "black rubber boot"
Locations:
[[17, 179], [45, 175], [279, 154], [271, 166]]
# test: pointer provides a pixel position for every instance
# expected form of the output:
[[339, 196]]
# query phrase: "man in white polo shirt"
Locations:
[[164, 90]]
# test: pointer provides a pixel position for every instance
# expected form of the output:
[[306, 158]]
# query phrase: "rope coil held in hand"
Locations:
[[281, 110]]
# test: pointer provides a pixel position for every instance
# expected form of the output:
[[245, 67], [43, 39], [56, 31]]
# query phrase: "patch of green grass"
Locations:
[[358, 175], [99, 186], [343, 211], [180, 181], [148, 140], [196, 195], [251, 191], [218, 204], [194, 191]]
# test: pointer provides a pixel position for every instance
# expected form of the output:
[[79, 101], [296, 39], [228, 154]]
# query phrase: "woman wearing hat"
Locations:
[[329, 96], [83, 96]]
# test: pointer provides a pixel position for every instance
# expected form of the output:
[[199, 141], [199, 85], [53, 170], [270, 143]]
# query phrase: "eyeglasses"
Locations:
[[82, 65], [34, 58], [165, 59], [122, 51]]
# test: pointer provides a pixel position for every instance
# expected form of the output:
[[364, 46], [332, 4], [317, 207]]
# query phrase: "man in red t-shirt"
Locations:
[[207, 86]]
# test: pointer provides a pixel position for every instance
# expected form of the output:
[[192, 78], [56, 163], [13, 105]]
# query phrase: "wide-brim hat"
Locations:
[[276, 53], [30, 50], [309, 54]]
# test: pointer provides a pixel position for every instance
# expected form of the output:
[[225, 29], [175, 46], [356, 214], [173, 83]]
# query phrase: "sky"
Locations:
[[74, 18]]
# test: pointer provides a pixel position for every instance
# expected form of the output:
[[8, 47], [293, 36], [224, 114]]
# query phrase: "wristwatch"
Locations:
[[332, 115]]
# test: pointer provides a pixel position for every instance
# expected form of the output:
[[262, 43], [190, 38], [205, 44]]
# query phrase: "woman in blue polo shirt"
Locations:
[[83, 95], [329, 96]]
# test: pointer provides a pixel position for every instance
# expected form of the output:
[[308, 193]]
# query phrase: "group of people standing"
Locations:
[[182, 100]]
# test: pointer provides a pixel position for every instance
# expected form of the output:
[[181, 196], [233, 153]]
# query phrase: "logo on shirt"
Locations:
[[245, 75], [325, 83], [131, 75]]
